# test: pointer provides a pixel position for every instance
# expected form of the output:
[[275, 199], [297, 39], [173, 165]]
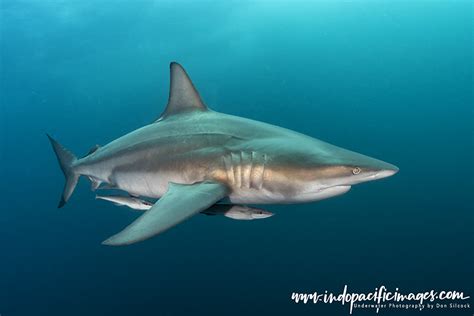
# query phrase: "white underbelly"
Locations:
[[147, 184], [263, 196]]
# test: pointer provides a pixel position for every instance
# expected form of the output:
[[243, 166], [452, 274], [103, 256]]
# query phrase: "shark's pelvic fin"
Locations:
[[95, 183], [66, 161], [183, 95], [178, 204]]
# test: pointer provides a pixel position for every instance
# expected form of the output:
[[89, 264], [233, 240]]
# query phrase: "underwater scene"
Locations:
[[246, 186]]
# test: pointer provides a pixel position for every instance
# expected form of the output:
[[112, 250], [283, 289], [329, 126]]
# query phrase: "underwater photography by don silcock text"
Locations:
[[227, 157]]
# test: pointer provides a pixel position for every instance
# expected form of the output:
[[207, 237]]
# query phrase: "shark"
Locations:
[[233, 211], [192, 157]]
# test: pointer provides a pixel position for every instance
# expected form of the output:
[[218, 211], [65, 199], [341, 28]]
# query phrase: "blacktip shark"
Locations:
[[233, 211], [192, 157]]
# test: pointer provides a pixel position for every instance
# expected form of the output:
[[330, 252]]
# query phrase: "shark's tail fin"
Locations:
[[66, 161]]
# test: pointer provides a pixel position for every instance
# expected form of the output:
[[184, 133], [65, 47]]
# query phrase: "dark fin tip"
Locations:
[[61, 203]]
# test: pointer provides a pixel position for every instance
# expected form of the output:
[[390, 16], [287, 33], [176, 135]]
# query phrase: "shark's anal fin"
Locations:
[[183, 95], [178, 204]]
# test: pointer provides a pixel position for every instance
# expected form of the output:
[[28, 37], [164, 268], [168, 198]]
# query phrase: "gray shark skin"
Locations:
[[194, 157]]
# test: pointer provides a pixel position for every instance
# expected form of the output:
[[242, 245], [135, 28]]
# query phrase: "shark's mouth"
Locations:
[[332, 191], [324, 193]]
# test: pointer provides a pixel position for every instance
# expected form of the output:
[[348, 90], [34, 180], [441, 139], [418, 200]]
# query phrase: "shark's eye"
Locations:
[[356, 170]]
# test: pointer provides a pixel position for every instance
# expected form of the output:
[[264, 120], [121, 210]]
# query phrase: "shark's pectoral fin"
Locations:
[[178, 204]]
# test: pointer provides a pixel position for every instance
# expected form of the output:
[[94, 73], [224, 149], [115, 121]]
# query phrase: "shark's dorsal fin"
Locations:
[[183, 95]]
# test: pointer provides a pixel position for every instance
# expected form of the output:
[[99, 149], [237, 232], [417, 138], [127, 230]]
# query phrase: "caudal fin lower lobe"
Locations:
[[66, 161]]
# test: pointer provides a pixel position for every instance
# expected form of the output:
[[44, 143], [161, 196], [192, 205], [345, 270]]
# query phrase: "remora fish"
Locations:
[[238, 212], [192, 157], [129, 201], [234, 211]]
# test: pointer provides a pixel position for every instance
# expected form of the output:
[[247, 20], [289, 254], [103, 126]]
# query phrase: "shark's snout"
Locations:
[[376, 171], [353, 168], [387, 172]]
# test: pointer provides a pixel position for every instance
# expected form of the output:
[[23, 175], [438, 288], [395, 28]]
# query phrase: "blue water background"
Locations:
[[390, 79]]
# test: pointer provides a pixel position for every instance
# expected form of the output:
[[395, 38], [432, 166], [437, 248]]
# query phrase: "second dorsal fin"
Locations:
[[183, 95], [93, 150]]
